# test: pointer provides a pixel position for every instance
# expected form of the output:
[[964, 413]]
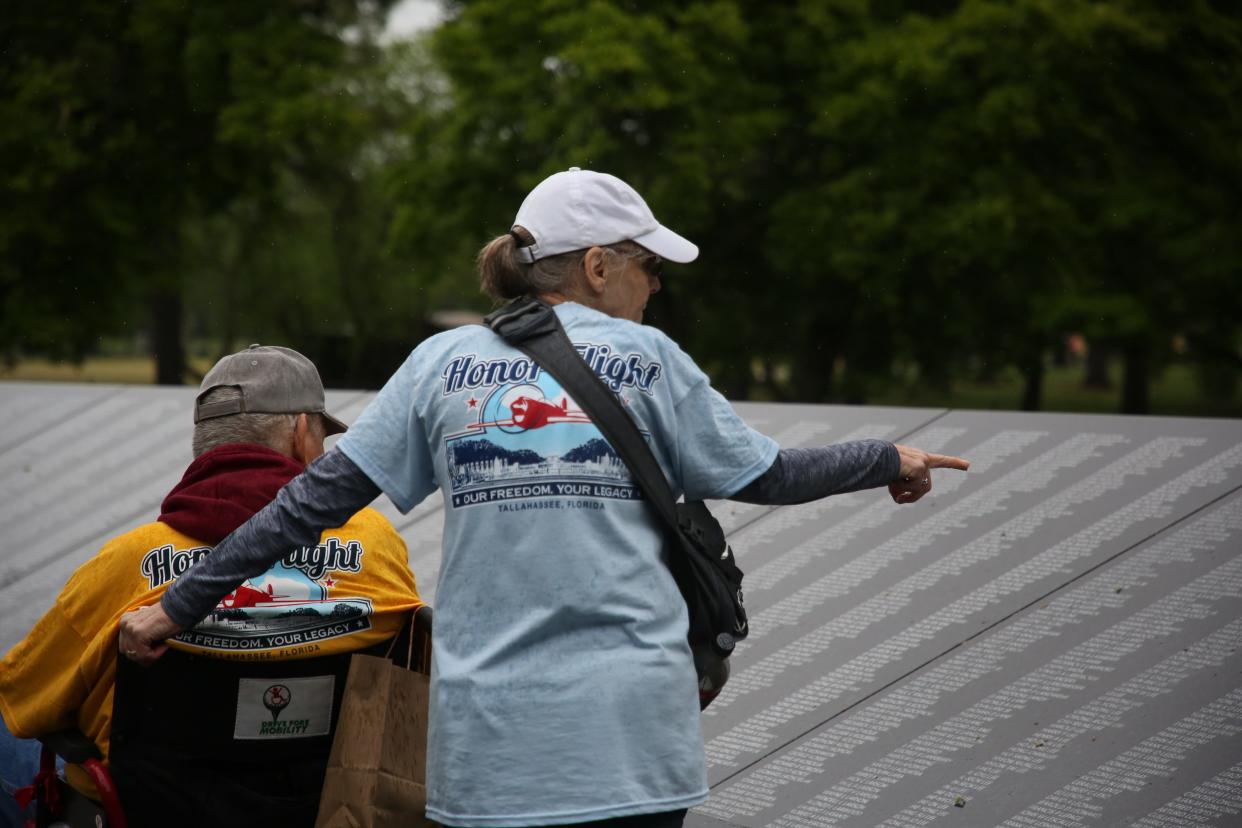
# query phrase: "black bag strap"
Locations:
[[531, 326]]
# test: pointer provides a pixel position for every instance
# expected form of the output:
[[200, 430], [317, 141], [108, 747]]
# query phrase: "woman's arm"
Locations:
[[801, 475], [327, 494]]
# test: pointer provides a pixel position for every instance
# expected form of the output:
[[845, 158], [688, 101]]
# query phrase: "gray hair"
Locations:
[[503, 275], [269, 430]]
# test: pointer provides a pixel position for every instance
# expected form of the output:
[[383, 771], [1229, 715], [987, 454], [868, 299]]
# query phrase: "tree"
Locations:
[[126, 123], [657, 94], [877, 186], [309, 263], [871, 183], [992, 173]]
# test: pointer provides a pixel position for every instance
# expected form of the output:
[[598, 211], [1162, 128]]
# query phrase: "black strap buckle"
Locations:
[[522, 319]]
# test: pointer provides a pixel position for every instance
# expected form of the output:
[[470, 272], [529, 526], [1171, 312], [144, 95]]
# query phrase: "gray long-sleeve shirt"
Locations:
[[333, 488]]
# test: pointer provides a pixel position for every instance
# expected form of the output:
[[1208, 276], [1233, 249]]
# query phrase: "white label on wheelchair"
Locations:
[[284, 708]]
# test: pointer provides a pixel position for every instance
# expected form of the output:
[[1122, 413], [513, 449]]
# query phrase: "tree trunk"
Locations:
[[811, 379], [166, 340], [1061, 354], [1135, 397], [1097, 368], [987, 372], [1033, 382], [737, 377], [770, 381], [853, 387]]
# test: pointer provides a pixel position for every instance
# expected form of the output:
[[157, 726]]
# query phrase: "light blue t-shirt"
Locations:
[[562, 685]]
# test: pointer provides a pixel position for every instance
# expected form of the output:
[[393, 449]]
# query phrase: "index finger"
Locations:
[[946, 461]]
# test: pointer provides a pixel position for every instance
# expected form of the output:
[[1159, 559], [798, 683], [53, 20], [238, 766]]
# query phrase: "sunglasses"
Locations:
[[653, 265]]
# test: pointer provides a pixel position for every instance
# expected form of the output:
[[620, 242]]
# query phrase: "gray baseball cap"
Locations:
[[272, 380]]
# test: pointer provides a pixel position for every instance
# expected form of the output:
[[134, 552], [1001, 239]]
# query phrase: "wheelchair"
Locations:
[[187, 750]]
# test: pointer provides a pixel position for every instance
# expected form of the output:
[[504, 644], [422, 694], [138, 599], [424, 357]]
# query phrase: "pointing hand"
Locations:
[[914, 479]]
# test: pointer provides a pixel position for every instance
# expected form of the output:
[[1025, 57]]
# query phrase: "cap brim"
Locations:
[[669, 246], [335, 426]]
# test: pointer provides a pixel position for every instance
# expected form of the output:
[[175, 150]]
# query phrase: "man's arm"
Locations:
[[802, 475], [327, 494]]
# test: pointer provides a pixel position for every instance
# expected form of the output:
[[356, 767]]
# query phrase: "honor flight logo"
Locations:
[[527, 445], [616, 370], [166, 563], [289, 610]]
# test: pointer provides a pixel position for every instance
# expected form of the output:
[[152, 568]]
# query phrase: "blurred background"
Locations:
[[1029, 204]]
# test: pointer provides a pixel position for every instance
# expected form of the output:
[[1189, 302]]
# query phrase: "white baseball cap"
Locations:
[[577, 209]]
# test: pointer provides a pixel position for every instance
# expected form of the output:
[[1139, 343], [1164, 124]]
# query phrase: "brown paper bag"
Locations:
[[378, 766]]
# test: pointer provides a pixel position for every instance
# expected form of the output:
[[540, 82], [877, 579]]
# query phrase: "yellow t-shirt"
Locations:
[[352, 591]]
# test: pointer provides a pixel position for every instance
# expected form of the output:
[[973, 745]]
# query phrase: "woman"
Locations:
[[563, 690]]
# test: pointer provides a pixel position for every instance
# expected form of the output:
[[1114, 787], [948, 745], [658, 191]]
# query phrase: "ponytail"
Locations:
[[504, 275]]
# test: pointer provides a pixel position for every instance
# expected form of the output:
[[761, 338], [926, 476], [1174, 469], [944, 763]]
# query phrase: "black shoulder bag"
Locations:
[[701, 561]]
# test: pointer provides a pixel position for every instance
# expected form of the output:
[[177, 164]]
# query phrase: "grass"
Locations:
[[1175, 392], [118, 369]]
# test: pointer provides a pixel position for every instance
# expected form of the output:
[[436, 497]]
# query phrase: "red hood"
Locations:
[[224, 487]]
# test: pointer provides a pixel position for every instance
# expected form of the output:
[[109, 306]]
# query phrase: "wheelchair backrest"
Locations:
[[228, 710]]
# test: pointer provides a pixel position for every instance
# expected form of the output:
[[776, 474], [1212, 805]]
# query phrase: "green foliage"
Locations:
[[995, 176], [879, 188], [656, 93], [132, 131], [872, 183]]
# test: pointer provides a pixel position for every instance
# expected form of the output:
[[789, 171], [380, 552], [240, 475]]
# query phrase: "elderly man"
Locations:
[[259, 419]]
